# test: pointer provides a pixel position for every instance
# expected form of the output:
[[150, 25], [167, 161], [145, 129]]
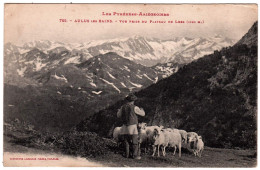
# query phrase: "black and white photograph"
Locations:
[[130, 85]]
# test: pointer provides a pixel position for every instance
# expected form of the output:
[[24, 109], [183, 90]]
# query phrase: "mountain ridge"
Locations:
[[143, 50]]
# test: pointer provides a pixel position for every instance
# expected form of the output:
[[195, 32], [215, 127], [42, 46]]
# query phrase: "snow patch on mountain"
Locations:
[[100, 42], [93, 84], [110, 75], [139, 76], [22, 51], [126, 68], [97, 92], [148, 77], [123, 84], [112, 84], [167, 70], [156, 79], [62, 78], [39, 65], [74, 60], [54, 46], [136, 85], [21, 71]]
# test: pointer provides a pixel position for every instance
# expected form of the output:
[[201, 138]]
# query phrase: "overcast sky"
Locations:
[[29, 22]]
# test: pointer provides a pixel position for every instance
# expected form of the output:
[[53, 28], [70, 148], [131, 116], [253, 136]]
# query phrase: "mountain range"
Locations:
[[84, 78], [143, 50]]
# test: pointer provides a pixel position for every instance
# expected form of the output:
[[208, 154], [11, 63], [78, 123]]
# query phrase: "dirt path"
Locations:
[[211, 157]]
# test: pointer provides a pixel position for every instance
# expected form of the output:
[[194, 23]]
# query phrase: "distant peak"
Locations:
[[111, 54], [181, 38], [59, 48], [137, 37], [35, 49], [187, 38]]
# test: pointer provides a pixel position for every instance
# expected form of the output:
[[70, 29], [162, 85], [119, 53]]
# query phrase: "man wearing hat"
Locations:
[[128, 114]]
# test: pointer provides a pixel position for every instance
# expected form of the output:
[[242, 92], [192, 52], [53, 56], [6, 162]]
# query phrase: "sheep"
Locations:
[[183, 134], [164, 138], [142, 125], [117, 135], [192, 137], [175, 141], [199, 147], [142, 136], [150, 131], [145, 135], [161, 138]]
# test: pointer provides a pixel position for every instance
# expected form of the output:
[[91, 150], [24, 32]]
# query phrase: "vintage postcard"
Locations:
[[130, 85]]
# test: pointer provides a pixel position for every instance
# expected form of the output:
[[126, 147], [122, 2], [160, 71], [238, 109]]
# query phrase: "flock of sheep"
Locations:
[[158, 137]]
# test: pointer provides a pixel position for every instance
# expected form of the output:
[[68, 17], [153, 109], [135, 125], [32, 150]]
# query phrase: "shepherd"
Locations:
[[128, 114]]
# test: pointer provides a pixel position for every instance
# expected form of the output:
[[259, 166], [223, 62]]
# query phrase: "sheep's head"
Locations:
[[141, 126], [191, 139], [156, 133], [158, 130]]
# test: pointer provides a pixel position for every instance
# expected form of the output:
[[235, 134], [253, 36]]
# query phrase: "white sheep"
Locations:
[[166, 137], [175, 141], [160, 138], [199, 147], [142, 125], [145, 134], [142, 136], [150, 132], [192, 137], [117, 135], [183, 134]]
